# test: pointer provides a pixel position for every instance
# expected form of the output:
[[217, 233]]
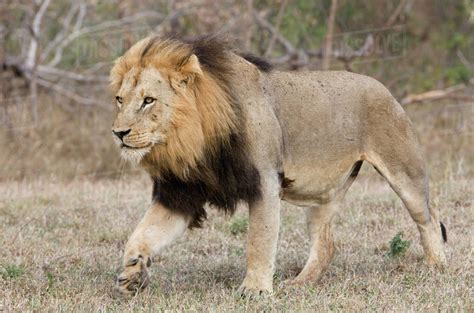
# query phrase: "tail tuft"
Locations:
[[444, 232]]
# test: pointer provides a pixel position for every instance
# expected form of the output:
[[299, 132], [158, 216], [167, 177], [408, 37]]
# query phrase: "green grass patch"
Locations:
[[238, 226], [398, 246], [51, 279], [11, 271]]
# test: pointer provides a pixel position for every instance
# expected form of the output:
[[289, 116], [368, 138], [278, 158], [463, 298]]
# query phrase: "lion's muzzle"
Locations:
[[121, 133]]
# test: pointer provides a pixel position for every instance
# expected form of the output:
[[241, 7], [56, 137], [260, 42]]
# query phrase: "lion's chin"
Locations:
[[134, 155]]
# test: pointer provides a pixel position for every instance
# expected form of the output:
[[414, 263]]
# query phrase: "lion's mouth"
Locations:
[[134, 154], [123, 145]]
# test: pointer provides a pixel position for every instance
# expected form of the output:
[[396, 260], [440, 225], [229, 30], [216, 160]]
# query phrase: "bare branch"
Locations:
[[278, 36], [45, 71], [277, 27], [66, 25], [72, 95], [464, 60], [300, 57], [327, 52], [346, 54], [98, 28], [438, 94], [31, 61], [250, 26], [80, 17], [393, 18], [31, 57], [51, 73], [96, 67]]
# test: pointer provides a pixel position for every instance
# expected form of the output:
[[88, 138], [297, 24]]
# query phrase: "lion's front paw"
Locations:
[[134, 277], [254, 289]]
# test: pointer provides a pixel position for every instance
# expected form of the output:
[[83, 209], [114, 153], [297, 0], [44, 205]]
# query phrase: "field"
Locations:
[[61, 242]]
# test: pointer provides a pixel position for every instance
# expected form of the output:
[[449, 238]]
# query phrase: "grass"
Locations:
[[61, 243]]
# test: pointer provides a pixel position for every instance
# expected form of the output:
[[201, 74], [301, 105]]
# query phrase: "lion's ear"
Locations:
[[186, 72], [190, 66]]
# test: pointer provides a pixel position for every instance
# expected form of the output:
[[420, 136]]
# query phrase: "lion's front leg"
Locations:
[[264, 225], [158, 228]]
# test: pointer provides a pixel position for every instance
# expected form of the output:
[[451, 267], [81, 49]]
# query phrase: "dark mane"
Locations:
[[211, 52], [222, 180], [226, 175], [259, 62]]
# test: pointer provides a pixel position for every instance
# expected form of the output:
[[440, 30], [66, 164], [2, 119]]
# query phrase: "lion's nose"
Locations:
[[121, 133]]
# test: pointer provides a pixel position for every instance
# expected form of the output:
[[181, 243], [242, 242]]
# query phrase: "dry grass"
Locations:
[[61, 243]]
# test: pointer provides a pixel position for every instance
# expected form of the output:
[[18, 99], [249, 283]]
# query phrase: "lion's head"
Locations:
[[171, 106]]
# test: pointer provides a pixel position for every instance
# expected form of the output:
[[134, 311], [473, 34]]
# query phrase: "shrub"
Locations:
[[398, 246]]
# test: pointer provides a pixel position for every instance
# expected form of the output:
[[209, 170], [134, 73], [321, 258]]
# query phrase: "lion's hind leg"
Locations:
[[398, 159], [392, 148], [319, 223], [410, 183]]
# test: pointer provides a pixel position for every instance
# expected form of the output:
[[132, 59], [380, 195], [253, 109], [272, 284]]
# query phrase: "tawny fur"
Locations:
[[304, 136]]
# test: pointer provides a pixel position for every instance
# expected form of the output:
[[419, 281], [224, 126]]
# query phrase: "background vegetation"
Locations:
[[54, 103], [68, 203]]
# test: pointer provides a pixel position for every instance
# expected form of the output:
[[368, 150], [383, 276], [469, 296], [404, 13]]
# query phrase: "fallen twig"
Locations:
[[438, 94]]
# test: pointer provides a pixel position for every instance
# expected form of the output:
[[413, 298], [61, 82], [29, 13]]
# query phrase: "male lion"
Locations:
[[213, 127]]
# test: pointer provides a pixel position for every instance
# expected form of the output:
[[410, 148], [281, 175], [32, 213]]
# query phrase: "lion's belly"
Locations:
[[316, 182]]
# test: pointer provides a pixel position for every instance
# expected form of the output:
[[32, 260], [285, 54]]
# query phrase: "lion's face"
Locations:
[[170, 110], [145, 103]]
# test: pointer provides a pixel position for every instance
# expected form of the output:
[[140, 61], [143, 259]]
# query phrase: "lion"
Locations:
[[215, 128]]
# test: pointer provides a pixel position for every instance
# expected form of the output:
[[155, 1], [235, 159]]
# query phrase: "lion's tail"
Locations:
[[435, 214], [444, 233]]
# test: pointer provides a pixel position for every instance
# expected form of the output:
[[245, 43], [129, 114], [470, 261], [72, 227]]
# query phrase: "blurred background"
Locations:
[[55, 55]]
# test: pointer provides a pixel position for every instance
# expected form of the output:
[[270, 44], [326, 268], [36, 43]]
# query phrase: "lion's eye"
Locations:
[[147, 101], [119, 99]]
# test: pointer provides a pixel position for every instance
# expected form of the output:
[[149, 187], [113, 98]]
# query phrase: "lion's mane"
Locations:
[[205, 159]]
